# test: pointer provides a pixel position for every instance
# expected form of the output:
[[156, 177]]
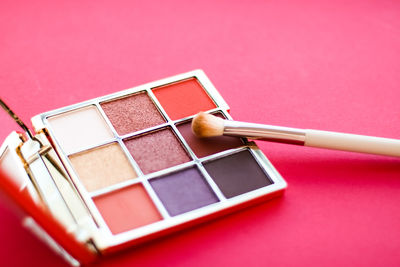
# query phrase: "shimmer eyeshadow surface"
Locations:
[[183, 98], [207, 146], [132, 113], [237, 174], [183, 191], [127, 208], [80, 128], [157, 150], [103, 166]]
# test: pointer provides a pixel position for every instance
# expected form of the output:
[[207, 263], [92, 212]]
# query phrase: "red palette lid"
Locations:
[[44, 225]]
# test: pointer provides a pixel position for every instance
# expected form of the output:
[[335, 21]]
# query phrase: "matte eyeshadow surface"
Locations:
[[237, 174], [80, 128], [156, 151], [103, 166], [132, 113], [206, 146], [183, 191], [127, 209], [183, 98]]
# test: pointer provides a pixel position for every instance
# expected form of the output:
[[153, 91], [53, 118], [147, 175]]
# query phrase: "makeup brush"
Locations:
[[207, 125]]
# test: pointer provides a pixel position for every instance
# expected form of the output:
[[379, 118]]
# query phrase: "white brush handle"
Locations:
[[352, 142], [314, 138]]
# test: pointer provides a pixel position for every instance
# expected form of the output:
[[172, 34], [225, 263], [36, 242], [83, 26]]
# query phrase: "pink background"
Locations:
[[327, 65]]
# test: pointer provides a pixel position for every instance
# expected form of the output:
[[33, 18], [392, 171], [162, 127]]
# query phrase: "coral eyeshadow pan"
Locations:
[[127, 208]]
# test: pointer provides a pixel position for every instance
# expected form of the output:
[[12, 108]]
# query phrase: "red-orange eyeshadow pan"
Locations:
[[183, 98]]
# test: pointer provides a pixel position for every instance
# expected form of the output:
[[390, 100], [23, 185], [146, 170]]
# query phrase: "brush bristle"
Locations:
[[207, 125]]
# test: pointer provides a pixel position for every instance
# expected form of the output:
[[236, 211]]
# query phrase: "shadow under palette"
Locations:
[[137, 170]]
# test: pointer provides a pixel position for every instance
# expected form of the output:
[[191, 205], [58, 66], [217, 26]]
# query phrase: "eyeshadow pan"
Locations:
[[132, 113], [157, 150], [103, 166], [127, 209], [80, 128], [183, 191], [237, 174], [206, 146], [183, 98]]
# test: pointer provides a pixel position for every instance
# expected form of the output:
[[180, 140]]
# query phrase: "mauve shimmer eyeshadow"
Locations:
[[132, 113], [183, 191], [157, 150], [237, 174]]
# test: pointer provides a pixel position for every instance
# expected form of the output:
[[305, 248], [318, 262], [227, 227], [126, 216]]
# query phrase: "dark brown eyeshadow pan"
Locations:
[[237, 174]]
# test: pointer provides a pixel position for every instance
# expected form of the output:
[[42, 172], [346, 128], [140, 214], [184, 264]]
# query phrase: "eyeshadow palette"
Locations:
[[124, 168]]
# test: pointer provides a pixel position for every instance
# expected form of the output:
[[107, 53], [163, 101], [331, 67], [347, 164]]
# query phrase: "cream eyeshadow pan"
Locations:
[[92, 129], [139, 170]]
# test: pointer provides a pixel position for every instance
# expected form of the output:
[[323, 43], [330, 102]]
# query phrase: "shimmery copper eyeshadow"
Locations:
[[132, 113], [157, 151]]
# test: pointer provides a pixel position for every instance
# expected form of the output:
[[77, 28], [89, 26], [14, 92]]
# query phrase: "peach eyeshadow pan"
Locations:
[[127, 209]]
